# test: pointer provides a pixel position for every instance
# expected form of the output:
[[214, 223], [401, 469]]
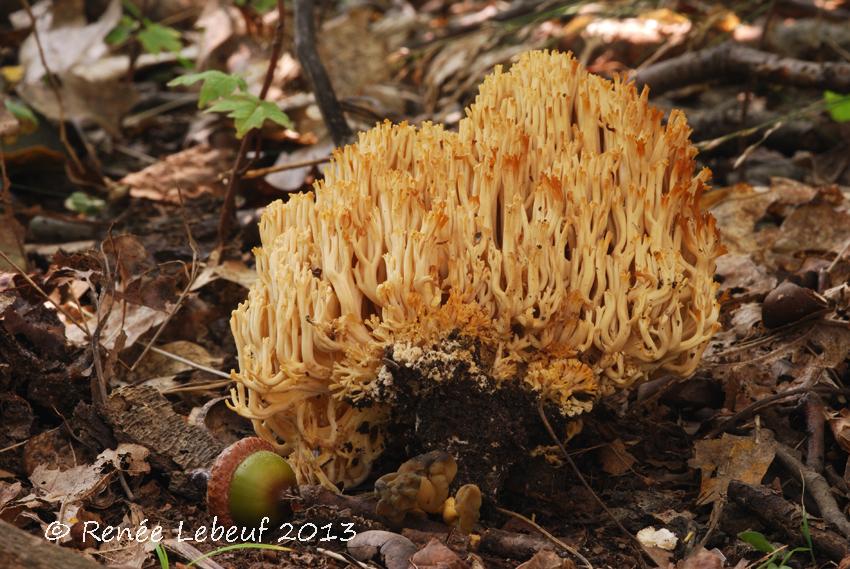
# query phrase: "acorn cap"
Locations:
[[246, 482]]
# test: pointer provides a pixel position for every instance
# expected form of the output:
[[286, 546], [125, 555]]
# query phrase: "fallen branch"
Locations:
[[305, 48], [733, 61], [781, 515], [817, 487]]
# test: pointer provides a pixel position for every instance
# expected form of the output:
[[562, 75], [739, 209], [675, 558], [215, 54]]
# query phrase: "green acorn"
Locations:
[[247, 482]]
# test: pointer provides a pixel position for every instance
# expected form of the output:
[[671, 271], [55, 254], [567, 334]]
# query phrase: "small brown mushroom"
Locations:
[[399, 494], [464, 509], [422, 483]]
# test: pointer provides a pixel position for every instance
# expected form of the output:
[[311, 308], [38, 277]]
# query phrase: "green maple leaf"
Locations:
[[216, 85], [156, 38], [249, 112]]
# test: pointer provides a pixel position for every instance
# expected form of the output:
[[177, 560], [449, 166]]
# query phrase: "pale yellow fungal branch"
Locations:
[[559, 227]]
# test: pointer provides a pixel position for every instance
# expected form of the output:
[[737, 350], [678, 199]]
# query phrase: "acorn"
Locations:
[[247, 483], [789, 303]]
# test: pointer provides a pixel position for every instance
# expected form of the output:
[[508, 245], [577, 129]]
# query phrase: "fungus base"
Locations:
[[441, 402]]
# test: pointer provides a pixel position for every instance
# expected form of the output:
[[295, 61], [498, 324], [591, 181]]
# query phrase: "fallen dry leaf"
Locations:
[[8, 492], [192, 172], [12, 242], [731, 458], [290, 180], [231, 270], [435, 555], [615, 459], [71, 46], [78, 483], [134, 320], [547, 559], [703, 559], [738, 274]]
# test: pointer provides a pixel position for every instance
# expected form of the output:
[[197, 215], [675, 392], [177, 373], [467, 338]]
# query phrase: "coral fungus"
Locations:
[[558, 232]]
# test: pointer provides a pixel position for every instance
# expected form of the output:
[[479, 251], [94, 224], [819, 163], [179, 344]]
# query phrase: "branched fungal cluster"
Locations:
[[559, 228]]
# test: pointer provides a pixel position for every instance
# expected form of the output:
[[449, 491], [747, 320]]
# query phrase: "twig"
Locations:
[[228, 208], [305, 48], [560, 543], [817, 487], [137, 119], [343, 559], [260, 172], [632, 539], [8, 210], [183, 360], [196, 387], [730, 60], [838, 257], [751, 409], [25, 441], [193, 275], [752, 147], [815, 427], [534, 10], [101, 394], [54, 86], [772, 124]]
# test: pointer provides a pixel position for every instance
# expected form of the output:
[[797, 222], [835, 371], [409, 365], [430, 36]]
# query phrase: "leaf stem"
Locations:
[[228, 208]]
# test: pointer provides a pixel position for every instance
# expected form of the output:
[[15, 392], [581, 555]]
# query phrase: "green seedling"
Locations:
[[228, 94]]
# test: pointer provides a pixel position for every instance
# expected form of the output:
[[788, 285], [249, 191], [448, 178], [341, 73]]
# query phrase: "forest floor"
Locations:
[[130, 214]]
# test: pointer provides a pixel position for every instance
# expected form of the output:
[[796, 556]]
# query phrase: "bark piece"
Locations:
[[19, 549], [141, 415]]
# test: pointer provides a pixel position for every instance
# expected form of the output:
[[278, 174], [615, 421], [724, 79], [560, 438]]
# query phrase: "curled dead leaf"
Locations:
[[840, 425], [435, 555]]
